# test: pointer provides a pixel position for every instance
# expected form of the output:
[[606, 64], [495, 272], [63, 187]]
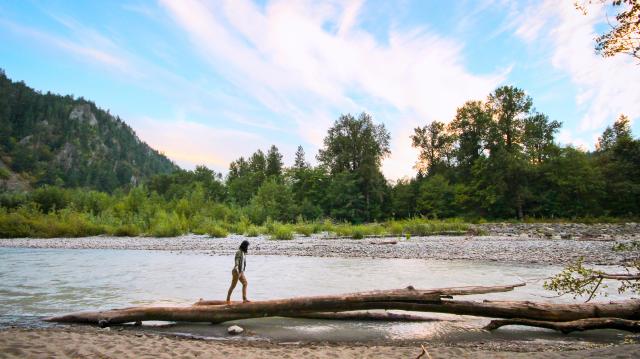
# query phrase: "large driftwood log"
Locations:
[[212, 311], [404, 299], [572, 326]]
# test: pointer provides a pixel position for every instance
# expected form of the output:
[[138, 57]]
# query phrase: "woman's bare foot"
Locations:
[[246, 301], [228, 302]]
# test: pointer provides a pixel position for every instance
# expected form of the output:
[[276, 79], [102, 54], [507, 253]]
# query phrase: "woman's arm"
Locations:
[[238, 262]]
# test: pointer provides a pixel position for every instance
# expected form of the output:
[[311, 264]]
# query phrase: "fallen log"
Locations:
[[366, 316], [404, 299], [220, 313], [212, 311], [629, 309], [359, 315], [572, 326], [409, 294]]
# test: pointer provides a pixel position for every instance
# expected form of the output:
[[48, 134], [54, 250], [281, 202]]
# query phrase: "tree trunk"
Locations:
[[572, 326], [213, 311], [403, 299]]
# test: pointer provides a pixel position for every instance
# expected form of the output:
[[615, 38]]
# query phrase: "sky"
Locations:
[[206, 82]]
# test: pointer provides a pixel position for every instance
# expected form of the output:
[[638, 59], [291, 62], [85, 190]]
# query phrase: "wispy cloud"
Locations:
[[286, 57], [84, 51], [605, 87]]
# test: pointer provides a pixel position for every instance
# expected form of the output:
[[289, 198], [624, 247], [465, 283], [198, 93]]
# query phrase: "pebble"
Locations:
[[235, 330]]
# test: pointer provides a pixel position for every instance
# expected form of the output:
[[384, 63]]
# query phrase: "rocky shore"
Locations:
[[580, 231], [557, 244]]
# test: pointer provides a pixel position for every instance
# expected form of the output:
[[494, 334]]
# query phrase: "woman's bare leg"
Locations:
[[234, 281], [243, 280]]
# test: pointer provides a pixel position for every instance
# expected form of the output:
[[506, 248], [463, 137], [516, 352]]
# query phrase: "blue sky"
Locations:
[[208, 81]]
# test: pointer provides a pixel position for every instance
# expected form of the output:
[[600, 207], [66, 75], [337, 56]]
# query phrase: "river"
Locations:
[[35, 283]]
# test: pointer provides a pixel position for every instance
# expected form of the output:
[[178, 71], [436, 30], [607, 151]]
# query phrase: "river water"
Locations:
[[35, 283]]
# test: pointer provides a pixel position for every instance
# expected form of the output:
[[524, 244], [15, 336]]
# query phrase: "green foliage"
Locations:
[[304, 229], [217, 231], [395, 229], [4, 174], [167, 225], [281, 232], [30, 223], [125, 230], [353, 151], [62, 141], [496, 159], [253, 231]]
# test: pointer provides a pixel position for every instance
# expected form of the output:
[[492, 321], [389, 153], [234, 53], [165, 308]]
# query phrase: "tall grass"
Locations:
[[281, 232]]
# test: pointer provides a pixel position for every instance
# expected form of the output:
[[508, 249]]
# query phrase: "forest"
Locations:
[[48, 139], [497, 159]]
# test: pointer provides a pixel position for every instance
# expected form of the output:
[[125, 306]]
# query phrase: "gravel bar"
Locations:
[[543, 244]]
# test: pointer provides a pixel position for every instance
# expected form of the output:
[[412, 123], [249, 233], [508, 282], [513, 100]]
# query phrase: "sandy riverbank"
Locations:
[[79, 342]]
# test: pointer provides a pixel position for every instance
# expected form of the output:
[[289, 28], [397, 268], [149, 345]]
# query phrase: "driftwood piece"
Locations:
[[212, 311], [423, 353], [367, 316], [628, 309], [571, 326]]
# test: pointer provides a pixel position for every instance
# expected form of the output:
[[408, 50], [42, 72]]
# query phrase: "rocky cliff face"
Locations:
[[61, 140]]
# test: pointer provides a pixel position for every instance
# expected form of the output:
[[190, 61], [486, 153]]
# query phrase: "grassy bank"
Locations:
[[30, 222]]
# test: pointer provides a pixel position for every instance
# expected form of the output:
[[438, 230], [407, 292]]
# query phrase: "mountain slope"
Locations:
[[60, 140]]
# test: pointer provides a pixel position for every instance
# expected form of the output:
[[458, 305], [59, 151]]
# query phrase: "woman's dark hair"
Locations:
[[244, 246]]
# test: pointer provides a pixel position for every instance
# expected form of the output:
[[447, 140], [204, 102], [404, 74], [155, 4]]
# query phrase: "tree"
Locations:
[[538, 136], [352, 154], [509, 107], [470, 128], [621, 131], [300, 161], [273, 200], [570, 184], [618, 156], [436, 197], [624, 35], [435, 146], [354, 143], [274, 162], [403, 198]]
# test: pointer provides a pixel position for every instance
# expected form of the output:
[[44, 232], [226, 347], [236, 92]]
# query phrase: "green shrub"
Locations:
[[343, 230], [167, 225], [395, 229], [282, 232], [126, 230], [4, 174], [236, 228], [358, 232], [304, 229], [217, 231], [252, 231], [13, 225]]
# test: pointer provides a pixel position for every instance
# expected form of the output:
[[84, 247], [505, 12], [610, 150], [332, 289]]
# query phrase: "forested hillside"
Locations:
[[496, 159], [48, 139]]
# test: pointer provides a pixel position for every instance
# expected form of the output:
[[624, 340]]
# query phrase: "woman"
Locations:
[[238, 272]]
